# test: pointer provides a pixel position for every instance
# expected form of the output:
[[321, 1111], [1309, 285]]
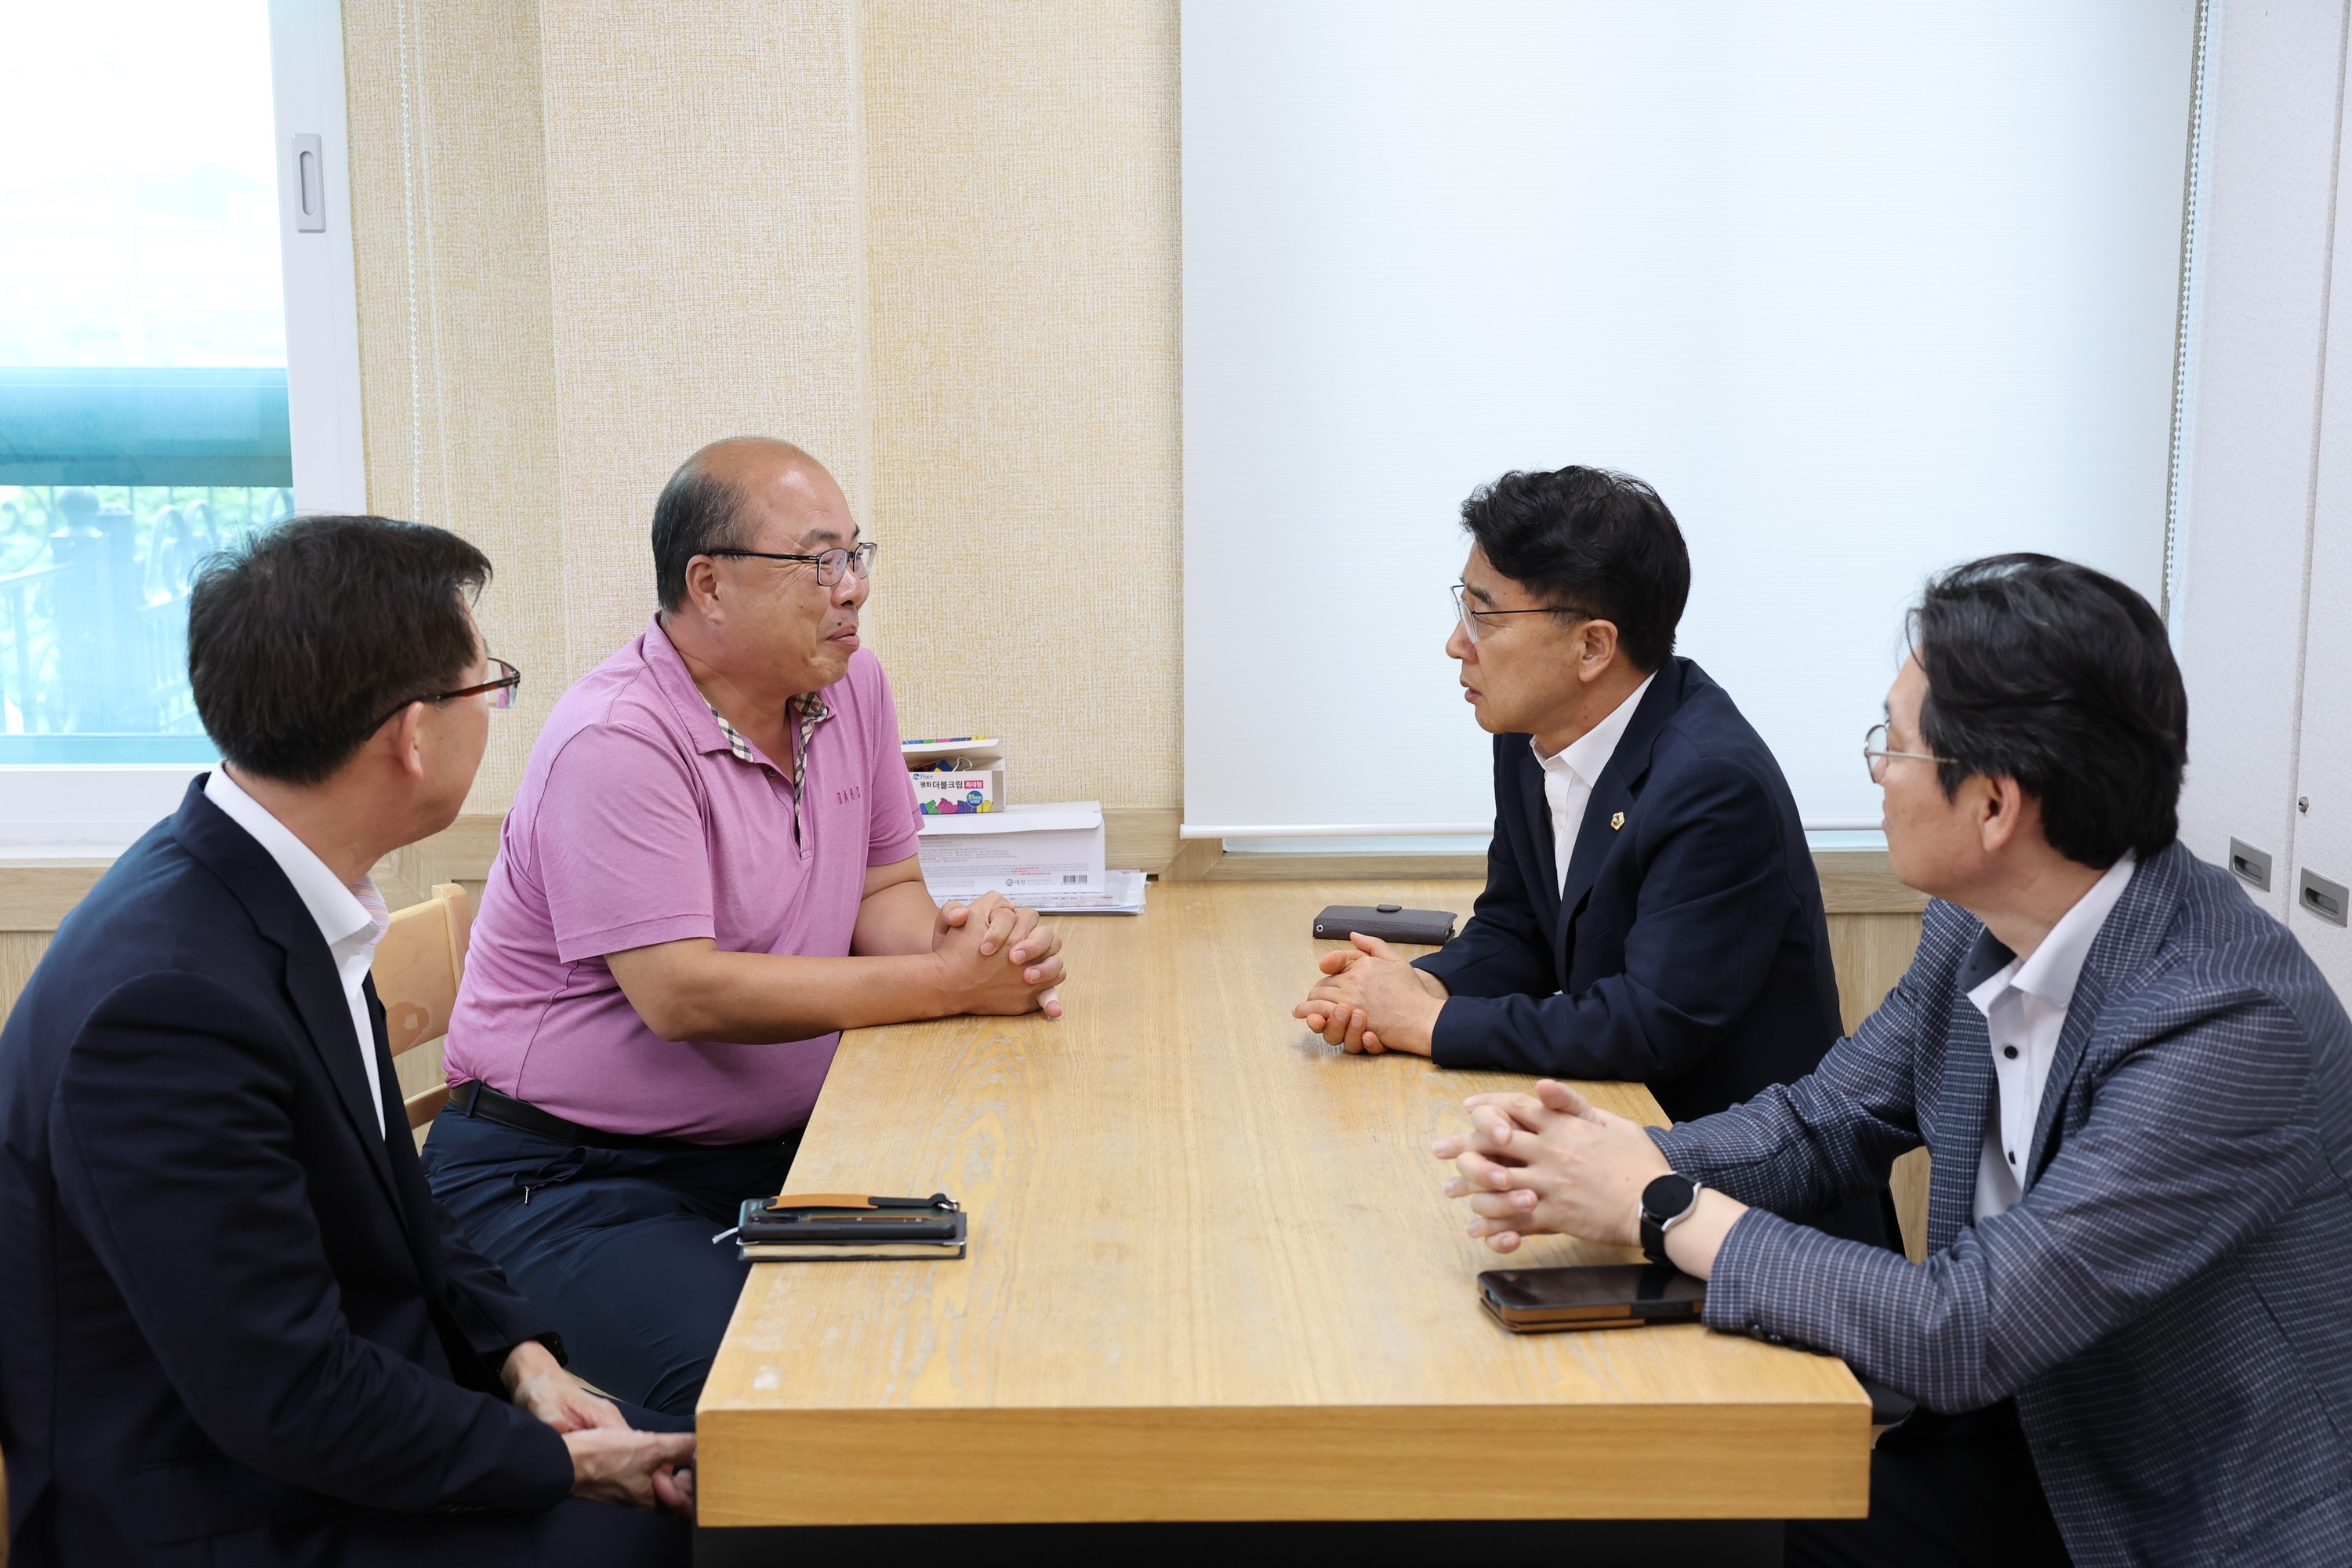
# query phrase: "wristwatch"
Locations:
[[1665, 1203]]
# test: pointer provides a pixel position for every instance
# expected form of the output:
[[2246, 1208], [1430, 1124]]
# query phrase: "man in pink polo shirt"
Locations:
[[708, 872]]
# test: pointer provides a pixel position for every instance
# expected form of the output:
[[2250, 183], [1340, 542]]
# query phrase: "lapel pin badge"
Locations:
[[1616, 822]]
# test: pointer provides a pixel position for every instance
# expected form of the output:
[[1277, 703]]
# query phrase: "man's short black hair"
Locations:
[[2063, 679], [1592, 541], [697, 513], [304, 637]]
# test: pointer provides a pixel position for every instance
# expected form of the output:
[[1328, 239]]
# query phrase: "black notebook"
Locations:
[[848, 1225]]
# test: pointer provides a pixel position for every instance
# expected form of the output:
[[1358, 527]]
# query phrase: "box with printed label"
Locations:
[[1020, 851], [962, 775], [951, 795]]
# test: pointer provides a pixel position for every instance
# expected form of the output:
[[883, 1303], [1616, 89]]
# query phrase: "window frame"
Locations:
[[69, 814]]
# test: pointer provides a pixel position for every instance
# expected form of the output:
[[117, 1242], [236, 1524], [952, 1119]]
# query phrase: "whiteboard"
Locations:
[[1863, 291]]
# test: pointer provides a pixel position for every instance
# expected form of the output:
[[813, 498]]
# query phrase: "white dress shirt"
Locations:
[[352, 916], [2024, 1004], [1568, 776]]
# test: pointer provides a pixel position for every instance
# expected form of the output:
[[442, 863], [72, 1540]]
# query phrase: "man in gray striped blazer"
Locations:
[[2132, 1338]]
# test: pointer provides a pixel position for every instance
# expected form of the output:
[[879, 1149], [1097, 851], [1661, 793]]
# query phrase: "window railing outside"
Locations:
[[114, 486], [94, 615]]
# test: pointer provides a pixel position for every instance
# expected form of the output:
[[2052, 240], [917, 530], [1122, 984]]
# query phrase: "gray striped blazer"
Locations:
[[2171, 1302]]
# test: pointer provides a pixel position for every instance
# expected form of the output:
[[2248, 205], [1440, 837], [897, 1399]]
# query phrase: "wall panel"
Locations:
[[2262, 323], [2321, 817], [1023, 263], [707, 263]]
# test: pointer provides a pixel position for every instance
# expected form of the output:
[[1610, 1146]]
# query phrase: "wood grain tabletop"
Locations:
[[1212, 1276]]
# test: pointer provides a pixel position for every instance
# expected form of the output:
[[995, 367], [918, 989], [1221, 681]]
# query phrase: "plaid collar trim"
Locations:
[[736, 743], [810, 710]]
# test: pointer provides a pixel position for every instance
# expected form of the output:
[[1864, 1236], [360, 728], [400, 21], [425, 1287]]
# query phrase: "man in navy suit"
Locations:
[[1652, 912], [234, 1325], [2129, 1338]]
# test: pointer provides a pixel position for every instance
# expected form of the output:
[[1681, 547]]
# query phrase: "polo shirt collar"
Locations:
[[677, 685], [736, 743]]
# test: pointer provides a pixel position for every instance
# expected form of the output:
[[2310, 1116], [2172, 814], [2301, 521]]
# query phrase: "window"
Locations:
[[146, 263]]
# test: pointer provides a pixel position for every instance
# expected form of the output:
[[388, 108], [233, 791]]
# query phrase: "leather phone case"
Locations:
[[1389, 923], [848, 1217]]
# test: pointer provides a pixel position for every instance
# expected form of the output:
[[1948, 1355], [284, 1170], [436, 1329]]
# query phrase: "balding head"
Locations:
[[720, 497]]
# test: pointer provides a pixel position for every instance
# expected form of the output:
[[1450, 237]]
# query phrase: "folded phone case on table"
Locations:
[[848, 1225]]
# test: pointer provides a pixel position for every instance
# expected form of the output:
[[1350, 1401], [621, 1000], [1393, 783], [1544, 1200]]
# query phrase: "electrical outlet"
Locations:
[[2251, 865], [2329, 900]]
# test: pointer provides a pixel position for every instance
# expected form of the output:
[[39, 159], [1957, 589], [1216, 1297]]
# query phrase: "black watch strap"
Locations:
[[1664, 1202]]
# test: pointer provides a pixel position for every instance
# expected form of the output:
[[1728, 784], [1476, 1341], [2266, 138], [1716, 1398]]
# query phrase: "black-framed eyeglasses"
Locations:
[[829, 562], [500, 690], [1875, 756], [1470, 618]]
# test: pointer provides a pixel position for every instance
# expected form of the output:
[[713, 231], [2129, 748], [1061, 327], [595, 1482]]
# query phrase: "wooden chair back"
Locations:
[[417, 966]]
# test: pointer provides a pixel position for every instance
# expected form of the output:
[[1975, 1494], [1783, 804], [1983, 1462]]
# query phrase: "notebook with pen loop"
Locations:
[[806, 1227]]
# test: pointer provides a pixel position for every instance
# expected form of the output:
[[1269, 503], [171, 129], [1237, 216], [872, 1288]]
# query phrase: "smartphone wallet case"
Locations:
[[1389, 923], [848, 1225]]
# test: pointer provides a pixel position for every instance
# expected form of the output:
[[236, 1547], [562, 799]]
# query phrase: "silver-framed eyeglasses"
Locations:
[[1874, 755], [1470, 618], [830, 563]]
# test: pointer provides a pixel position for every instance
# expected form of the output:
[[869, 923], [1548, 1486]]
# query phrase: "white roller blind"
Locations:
[[1862, 289]]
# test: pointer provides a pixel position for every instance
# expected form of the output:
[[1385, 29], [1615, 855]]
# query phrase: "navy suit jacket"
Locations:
[[1690, 951], [2168, 1302], [226, 1300]]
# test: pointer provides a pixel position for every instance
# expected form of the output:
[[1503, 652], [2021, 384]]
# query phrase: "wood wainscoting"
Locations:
[[1874, 919]]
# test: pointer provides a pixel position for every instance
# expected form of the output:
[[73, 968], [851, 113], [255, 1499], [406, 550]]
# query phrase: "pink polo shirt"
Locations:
[[636, 823]]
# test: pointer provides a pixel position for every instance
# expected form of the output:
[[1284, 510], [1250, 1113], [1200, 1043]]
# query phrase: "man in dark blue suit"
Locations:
[[234, 1325], [1652, 912]]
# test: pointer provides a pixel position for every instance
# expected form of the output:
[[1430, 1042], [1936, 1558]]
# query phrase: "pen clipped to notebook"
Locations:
[[810, 1226]]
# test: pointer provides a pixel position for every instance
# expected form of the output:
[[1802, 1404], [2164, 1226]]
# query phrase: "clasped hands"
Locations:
[[991, 923], [612, 1461], [1552, 1162], [1372, 1000]]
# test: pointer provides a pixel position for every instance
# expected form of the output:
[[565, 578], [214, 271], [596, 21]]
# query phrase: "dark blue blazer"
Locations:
[[1690, 951], [2168, 1302], [226, 1301]]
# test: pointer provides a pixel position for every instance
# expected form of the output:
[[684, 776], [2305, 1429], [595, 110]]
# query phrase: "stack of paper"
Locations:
[[1047, 856]]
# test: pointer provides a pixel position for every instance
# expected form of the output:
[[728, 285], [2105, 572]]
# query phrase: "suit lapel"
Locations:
[[317, 993], [1964, 1106], [1967, 1106], [1595, 837], [311, 983], [1537, 807], [415, 1211], [1616, 790], [2124, 942]]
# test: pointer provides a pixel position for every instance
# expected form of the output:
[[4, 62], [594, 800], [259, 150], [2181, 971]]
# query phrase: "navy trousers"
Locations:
[[1958, 1491], [613, 1244]]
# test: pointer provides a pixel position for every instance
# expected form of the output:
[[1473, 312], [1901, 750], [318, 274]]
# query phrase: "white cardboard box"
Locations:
[[1020, 851]]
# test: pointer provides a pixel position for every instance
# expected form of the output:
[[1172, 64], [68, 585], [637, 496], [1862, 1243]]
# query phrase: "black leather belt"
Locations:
[[478, 1099]]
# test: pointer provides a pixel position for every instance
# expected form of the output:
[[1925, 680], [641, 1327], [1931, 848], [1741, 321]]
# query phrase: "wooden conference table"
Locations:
[[1212, 1276]]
